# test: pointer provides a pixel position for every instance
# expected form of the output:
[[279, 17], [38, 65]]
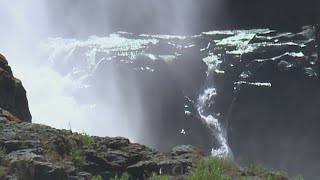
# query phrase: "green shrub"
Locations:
[[76, 155], [124, 176], [86, 139], [214, 168], [299, 177], [256, 169], [2, 152], [96, 178], [2, 172], [242, 178], [276, 175], [158, 177]]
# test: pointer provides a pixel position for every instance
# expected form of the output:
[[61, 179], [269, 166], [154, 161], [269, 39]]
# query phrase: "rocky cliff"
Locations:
[[272, 98], [12, 94]]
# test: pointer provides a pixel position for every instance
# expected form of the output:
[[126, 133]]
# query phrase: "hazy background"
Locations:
[[100, 17], [25, 23]]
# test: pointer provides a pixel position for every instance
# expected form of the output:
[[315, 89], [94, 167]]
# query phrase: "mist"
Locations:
[[50, 89], [99, 17]]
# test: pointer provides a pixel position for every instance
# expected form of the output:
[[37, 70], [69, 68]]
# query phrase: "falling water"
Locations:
[[214, 125]]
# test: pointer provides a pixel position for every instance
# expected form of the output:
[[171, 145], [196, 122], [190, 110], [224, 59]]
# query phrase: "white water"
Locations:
[[214, 125], [23, 25]]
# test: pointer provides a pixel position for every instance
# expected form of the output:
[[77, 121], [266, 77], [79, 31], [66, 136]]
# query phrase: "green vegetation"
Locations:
[[75, 150], [261, 171], [214, 168], [2, 172], [86, 139], [218, 169], [124, 176], [299, 177], [76, 155], [158, 177], [275, 175], [2, 152], [96, 178], [256, 169]]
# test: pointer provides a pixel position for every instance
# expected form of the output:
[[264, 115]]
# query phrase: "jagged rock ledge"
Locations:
[[34, 151]]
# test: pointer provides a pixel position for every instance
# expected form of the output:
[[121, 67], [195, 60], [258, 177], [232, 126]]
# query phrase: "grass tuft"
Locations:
[[124, 176], [86, 139], [275, 175], [96, 178], [214, 168], [76, 155], [158, 177], [2, 151], [256, 169], [299, 177]]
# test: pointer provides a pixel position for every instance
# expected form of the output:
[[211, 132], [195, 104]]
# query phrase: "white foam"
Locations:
[[214, 125]]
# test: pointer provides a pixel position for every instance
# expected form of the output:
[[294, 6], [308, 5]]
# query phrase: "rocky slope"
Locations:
[[38, 152]]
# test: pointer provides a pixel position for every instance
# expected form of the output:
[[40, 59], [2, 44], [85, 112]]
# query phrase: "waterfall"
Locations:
[[211, 120], [52, 72]]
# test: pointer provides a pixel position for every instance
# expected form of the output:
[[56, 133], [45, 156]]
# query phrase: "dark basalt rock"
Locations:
[[33, 152], [190, 73], [273, 97], [12, 94]]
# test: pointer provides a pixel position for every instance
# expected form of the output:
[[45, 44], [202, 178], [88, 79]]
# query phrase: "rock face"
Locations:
[[271, 98], [12, 94], [33, 151]]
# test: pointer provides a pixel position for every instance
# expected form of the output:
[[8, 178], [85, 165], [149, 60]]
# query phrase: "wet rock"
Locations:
[[275, 92], [189, 70]]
